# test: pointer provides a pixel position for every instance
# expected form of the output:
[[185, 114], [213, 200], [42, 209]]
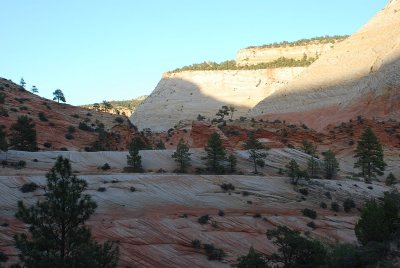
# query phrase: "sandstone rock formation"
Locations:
[[359, 76], [255, 55], [182, 96]]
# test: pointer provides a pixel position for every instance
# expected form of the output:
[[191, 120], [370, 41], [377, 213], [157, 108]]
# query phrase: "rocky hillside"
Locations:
[[310, 48], [359, 76], [185, 95], [118, 107], [62, 126]]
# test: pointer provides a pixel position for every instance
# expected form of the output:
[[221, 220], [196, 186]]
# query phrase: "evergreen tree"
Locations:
[[34, 89], [182, 155], [232, 110], [253, 259], [369, 154], [254, 147], [313, 167], [134, 159], [331, 165], [215, 153], [295, 250], [23, 134], [308, 147], [160, 145], [96, 106], [107, 106], [22, 82], [58, 236], [232, 163], [3, 140], [293, 171], [222, 113], [58, 95], [390, 179]]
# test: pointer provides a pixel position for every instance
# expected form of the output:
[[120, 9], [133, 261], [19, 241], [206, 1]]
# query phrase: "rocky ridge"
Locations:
[[359, 76]]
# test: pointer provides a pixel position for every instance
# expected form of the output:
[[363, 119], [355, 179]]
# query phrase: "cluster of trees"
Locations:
[[218, 160], [377, 232], [232, 65], [306, 41], [368, 154], [58, 95], [128, 104]]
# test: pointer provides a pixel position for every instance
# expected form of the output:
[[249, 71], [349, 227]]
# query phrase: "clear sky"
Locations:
[[97, 50]]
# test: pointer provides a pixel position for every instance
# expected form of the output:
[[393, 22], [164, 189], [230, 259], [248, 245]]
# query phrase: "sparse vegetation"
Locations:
[[227, 187], [348, 204], [29, 187], [23, 134], [309, 213]]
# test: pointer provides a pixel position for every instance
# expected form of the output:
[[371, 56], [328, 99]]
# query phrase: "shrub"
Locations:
[[132, 189], [106, 166], [101, 189], [21, 164], [196, 243], [213, 253], [309, 213], [221, 213], [257, 215], [29, 187], [328, 195], [71, 129], [83, 126], [323, 205], [303, 191], [69, 136], [348, 204], [390, 179], [335, 206], [311, 224], [42, 117], [204, 219], [47, 144], [119, 120], [75, 115], [227, 187]]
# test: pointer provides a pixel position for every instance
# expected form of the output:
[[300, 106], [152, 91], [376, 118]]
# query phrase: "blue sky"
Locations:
[[112, 50]]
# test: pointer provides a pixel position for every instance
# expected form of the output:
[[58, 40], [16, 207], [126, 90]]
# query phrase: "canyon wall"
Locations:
[[185, 95], [359, 76]]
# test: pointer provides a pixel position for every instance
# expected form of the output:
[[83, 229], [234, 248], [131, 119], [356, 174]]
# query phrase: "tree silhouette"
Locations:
[[215, 153], [134, 159], [255, 149], [58, 236], [58, 95], [22, 82], [34, 89], [369, 154], [331, 165], [23, 134], [182, 155]]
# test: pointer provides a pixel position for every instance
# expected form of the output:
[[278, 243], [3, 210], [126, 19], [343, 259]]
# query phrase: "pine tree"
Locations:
[[255, 149], [313, 167], [134, 159], [58, 236], [182, 155], [232, 163], [331, 165], [308, 147], [22, 82], [215, 153], [23, 134], [293, 170], [3, 140], [253, 259], [390, 179], [369, 154], [34, 89], [58, 95]]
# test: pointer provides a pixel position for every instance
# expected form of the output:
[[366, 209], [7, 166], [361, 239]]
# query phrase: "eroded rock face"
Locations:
[[359, 76], [185, 95]]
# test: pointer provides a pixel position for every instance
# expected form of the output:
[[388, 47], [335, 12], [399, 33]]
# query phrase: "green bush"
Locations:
[[335, 206], [348, 204], [309, 213], [227, 187], [196, 243], [29, 187], [204, 219], [106, 166], [42, 117], [83, 126], [213, 253]]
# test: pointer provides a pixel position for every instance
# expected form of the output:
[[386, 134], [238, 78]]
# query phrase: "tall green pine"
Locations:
[[216, 153], [134, 159], [23, 134], [182, 155], [58, 235], [255, 149], [331, 165], [369, 154]]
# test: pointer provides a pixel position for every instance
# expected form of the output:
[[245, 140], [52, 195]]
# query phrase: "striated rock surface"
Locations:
[[359, 76], [182, 96], [256, 55], [156, 223]]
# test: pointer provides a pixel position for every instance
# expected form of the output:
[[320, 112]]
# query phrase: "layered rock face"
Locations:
[[185, 95], [256, 55], [359, 76]]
